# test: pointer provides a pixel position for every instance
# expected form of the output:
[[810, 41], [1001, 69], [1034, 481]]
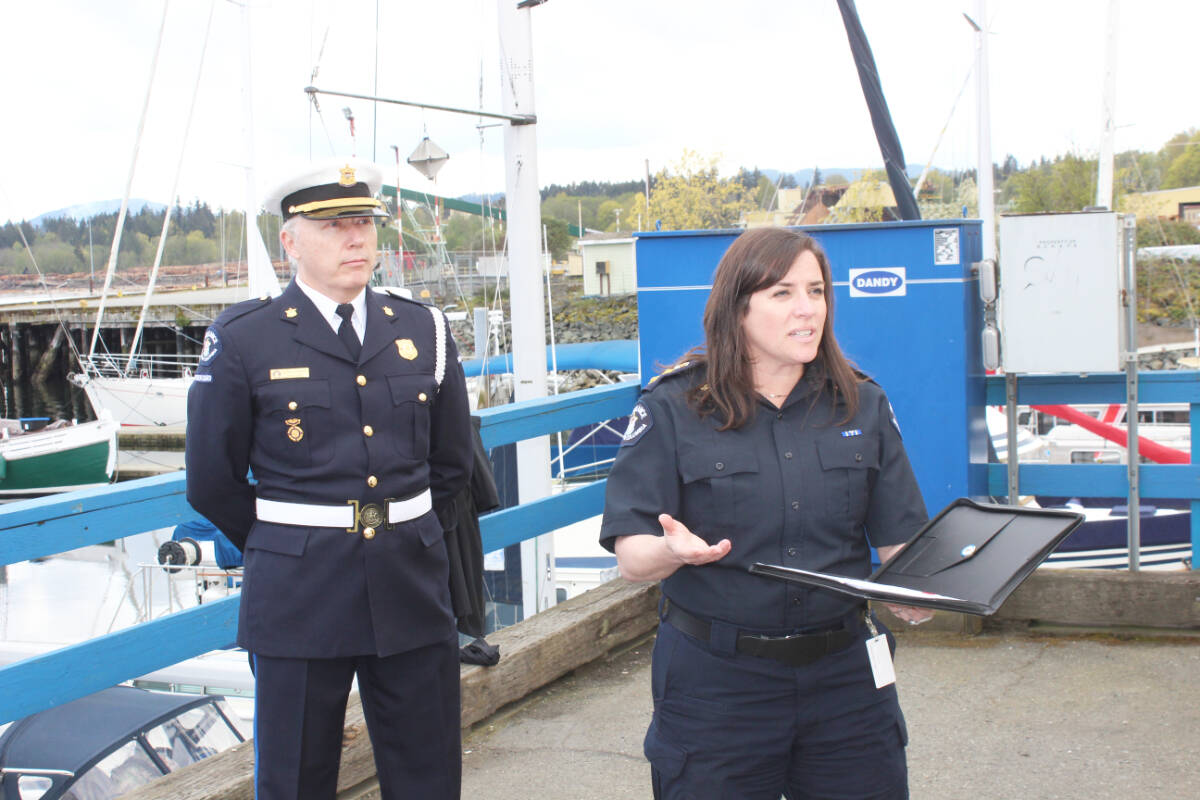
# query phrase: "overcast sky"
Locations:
[[767, 83]]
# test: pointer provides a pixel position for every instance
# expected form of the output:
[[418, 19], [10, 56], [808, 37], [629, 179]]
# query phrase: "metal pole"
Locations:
[[92, 259], [1129, 232], [1104, 175], [525, 286], [1010, 415], [987, 199], [399, 223], [515, 119]]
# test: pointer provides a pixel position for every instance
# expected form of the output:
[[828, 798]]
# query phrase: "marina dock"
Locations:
[[994, 716], [1079, 687]]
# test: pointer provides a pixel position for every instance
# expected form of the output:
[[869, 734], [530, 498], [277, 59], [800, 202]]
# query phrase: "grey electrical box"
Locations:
[[1061, 281]]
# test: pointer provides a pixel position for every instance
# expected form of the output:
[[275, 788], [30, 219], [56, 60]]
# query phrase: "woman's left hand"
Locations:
[[913, 615], [910, 614]]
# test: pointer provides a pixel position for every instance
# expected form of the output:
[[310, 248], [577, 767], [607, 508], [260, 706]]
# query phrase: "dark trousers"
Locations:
[[729, 725], [411, 704]]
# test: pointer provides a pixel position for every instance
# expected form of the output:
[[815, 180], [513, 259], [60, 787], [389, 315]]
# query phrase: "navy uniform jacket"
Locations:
[[790, 487], [278, 393]]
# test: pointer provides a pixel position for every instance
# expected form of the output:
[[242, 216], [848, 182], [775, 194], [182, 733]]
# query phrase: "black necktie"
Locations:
[[346, 331]]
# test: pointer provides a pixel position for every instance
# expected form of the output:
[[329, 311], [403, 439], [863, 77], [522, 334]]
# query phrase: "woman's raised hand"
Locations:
[[687, 546]]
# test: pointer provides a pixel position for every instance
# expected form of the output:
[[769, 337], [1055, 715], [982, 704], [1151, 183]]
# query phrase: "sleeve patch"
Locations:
[[640, 421], [211, 348]]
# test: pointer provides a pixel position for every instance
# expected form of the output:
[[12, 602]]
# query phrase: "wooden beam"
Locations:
[[1107, 598]]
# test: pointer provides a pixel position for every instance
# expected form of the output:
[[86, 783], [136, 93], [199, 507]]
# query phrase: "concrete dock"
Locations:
[[993, 716], [1082, 685]]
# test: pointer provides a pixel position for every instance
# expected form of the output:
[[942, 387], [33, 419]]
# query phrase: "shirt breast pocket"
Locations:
[[716, 489], [412, 396], [293, 425], [848, 465]]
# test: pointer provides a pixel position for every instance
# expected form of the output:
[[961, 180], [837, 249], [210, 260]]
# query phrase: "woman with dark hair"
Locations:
[[766, 445]]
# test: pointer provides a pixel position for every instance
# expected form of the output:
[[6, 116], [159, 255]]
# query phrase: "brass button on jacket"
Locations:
[[361, 380], [368, 533], [372, 481], [368, 430]]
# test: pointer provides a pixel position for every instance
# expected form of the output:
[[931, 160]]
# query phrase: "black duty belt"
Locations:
[[797, 650]]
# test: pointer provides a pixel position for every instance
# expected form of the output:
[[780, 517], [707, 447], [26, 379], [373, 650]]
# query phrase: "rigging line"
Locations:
[[42, 277], [162, 239], [942, 133], [375, 91], [113, 251]]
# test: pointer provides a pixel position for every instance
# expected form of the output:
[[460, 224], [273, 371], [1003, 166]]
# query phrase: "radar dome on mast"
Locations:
[[428, 158]]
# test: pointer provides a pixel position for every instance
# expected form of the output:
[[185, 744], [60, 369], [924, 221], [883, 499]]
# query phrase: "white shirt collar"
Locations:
[[327, 306]]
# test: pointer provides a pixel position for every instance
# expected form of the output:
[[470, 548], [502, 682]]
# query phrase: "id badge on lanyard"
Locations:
[[880, 656]]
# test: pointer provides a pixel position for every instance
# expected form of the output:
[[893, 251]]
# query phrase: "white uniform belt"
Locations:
[[311, 515]]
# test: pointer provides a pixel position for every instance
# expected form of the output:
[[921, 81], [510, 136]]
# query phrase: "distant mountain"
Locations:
[[88, 210], [493, 198], [804, 176]]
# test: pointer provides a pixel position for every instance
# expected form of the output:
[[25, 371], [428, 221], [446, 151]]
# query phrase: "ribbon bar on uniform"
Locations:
[[310, 515]]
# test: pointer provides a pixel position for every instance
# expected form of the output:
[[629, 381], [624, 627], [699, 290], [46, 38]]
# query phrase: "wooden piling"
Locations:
[[19, 361], [49, 356]]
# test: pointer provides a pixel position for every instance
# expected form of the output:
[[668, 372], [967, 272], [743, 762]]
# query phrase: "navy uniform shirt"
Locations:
[[278, 393], [793, 486]]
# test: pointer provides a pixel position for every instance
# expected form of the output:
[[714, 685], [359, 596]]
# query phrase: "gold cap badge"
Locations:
[[406, 348], [347, 176]]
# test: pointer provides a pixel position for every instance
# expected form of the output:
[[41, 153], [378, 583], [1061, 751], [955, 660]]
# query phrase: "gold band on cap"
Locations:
[[335, 204]]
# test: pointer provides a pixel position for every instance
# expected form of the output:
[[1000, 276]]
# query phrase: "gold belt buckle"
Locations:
[[370, 516]]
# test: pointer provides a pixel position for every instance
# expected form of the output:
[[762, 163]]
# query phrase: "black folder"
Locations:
[[968, 558]]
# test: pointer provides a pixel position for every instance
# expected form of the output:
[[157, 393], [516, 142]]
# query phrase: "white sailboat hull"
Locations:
[[153, 402]]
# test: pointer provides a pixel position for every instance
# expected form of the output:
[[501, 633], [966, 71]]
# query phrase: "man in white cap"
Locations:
[[350, 410]]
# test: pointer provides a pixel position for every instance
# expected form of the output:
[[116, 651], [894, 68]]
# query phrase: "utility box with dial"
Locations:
[[1061, 293]]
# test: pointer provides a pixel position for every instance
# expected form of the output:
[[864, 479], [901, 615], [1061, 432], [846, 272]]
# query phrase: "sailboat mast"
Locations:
[[986, 182], [137, 146], [166, 226], [1104, 177], [260, 274], [525, 282]]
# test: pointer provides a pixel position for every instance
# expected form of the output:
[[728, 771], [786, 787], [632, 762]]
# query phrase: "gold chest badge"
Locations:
[[406, 348], [294, 431]]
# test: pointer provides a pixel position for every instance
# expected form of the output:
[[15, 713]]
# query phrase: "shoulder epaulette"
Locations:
[[397, 294], [242, 309], [864, 377], [670, 372]]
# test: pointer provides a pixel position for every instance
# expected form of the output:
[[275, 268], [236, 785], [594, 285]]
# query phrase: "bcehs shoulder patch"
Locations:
[[640, 421], [211, 348]]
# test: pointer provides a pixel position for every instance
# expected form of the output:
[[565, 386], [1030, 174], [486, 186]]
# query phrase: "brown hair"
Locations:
[[757, 259]]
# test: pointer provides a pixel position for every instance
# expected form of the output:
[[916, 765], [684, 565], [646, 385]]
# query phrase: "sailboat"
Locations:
[[38, 458], [132, 393]]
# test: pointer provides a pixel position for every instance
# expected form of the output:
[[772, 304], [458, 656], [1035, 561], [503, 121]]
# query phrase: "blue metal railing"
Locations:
[[45, 526], [1179, 481], [49, 525]]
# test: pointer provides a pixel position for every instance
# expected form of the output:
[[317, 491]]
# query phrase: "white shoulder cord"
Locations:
[[439, 333]]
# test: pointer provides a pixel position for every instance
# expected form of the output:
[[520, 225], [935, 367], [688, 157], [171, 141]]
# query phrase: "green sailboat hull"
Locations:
[[56, 471]]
